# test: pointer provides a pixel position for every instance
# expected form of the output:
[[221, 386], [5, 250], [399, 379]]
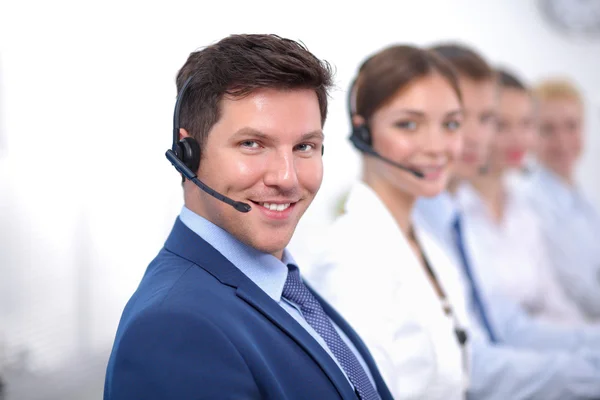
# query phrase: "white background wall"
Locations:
[[86, 100]]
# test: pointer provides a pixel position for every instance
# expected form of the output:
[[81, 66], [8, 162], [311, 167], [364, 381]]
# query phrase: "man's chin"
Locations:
[[466, 173], [272, 246]]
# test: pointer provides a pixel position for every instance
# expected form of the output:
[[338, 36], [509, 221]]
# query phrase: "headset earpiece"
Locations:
[[188, 151], [362, 133], [184, 155], [360, 137]]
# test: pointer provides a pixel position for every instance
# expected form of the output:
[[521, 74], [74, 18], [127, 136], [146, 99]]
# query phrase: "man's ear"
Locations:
[[183, 133]]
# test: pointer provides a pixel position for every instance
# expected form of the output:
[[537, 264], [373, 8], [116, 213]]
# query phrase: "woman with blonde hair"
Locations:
[[571, 223]]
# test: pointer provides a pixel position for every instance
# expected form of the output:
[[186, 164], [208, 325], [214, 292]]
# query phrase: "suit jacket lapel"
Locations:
[[185, 243], [382, 388], [254, 296]]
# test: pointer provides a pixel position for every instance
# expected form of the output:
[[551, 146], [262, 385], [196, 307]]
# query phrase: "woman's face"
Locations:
[[515, 132], [561, 140], [419, 128]]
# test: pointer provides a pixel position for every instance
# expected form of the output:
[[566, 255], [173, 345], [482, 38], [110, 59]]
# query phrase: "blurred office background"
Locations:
[[86, 100]]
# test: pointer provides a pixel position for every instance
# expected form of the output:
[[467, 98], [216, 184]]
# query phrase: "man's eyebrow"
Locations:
[[454, 113], [313, 135], [246, 131]]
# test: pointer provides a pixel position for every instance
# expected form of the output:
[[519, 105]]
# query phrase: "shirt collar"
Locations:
[[468, 198], [562, 194], [438, 212], [265, 270]]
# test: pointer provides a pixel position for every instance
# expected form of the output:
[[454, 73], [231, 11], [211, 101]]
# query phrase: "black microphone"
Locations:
[[362, 146], [183, 169]]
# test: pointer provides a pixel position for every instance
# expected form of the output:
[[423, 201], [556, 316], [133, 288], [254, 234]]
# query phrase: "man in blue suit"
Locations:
[[222, 312]]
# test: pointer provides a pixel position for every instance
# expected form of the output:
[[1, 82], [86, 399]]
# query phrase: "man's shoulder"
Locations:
[[177, 286], [168, 276]]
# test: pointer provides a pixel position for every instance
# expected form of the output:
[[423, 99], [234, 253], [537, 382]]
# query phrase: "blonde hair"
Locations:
[[557, 88]]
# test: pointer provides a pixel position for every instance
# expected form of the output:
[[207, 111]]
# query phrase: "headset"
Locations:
[[362, 140], [185, 155]]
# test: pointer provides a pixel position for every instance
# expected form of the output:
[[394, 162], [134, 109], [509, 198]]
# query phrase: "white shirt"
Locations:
[[510, 257], [530, 360], [371, 275], [572, 233]]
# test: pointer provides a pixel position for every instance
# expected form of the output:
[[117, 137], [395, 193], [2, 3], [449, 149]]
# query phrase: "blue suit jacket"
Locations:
[[198, 328]]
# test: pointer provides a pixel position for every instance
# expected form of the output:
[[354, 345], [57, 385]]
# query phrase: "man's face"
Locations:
[[560, 142], [265, 150], [514, 137], [479, 104]]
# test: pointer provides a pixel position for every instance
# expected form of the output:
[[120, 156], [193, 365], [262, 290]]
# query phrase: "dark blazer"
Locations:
[[198, 328]]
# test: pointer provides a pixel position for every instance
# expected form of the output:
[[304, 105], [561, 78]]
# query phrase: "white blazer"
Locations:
[[371, 275]]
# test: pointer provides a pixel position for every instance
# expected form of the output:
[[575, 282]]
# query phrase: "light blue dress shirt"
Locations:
[[572, 231], [266, 271], [532, 360]]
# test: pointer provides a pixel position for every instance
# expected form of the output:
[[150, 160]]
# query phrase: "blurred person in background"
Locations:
[[222, 312], [513, 356], [501, 227], [388, 277], [571, 223]]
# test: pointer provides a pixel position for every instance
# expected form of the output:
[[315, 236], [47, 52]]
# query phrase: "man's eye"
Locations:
[[305, 147], [487, 118], [250, 144], [452, 125]]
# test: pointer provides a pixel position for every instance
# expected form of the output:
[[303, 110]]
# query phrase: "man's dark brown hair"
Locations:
[[509, 80], [467, 62], [240, 64], [390, 70]]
